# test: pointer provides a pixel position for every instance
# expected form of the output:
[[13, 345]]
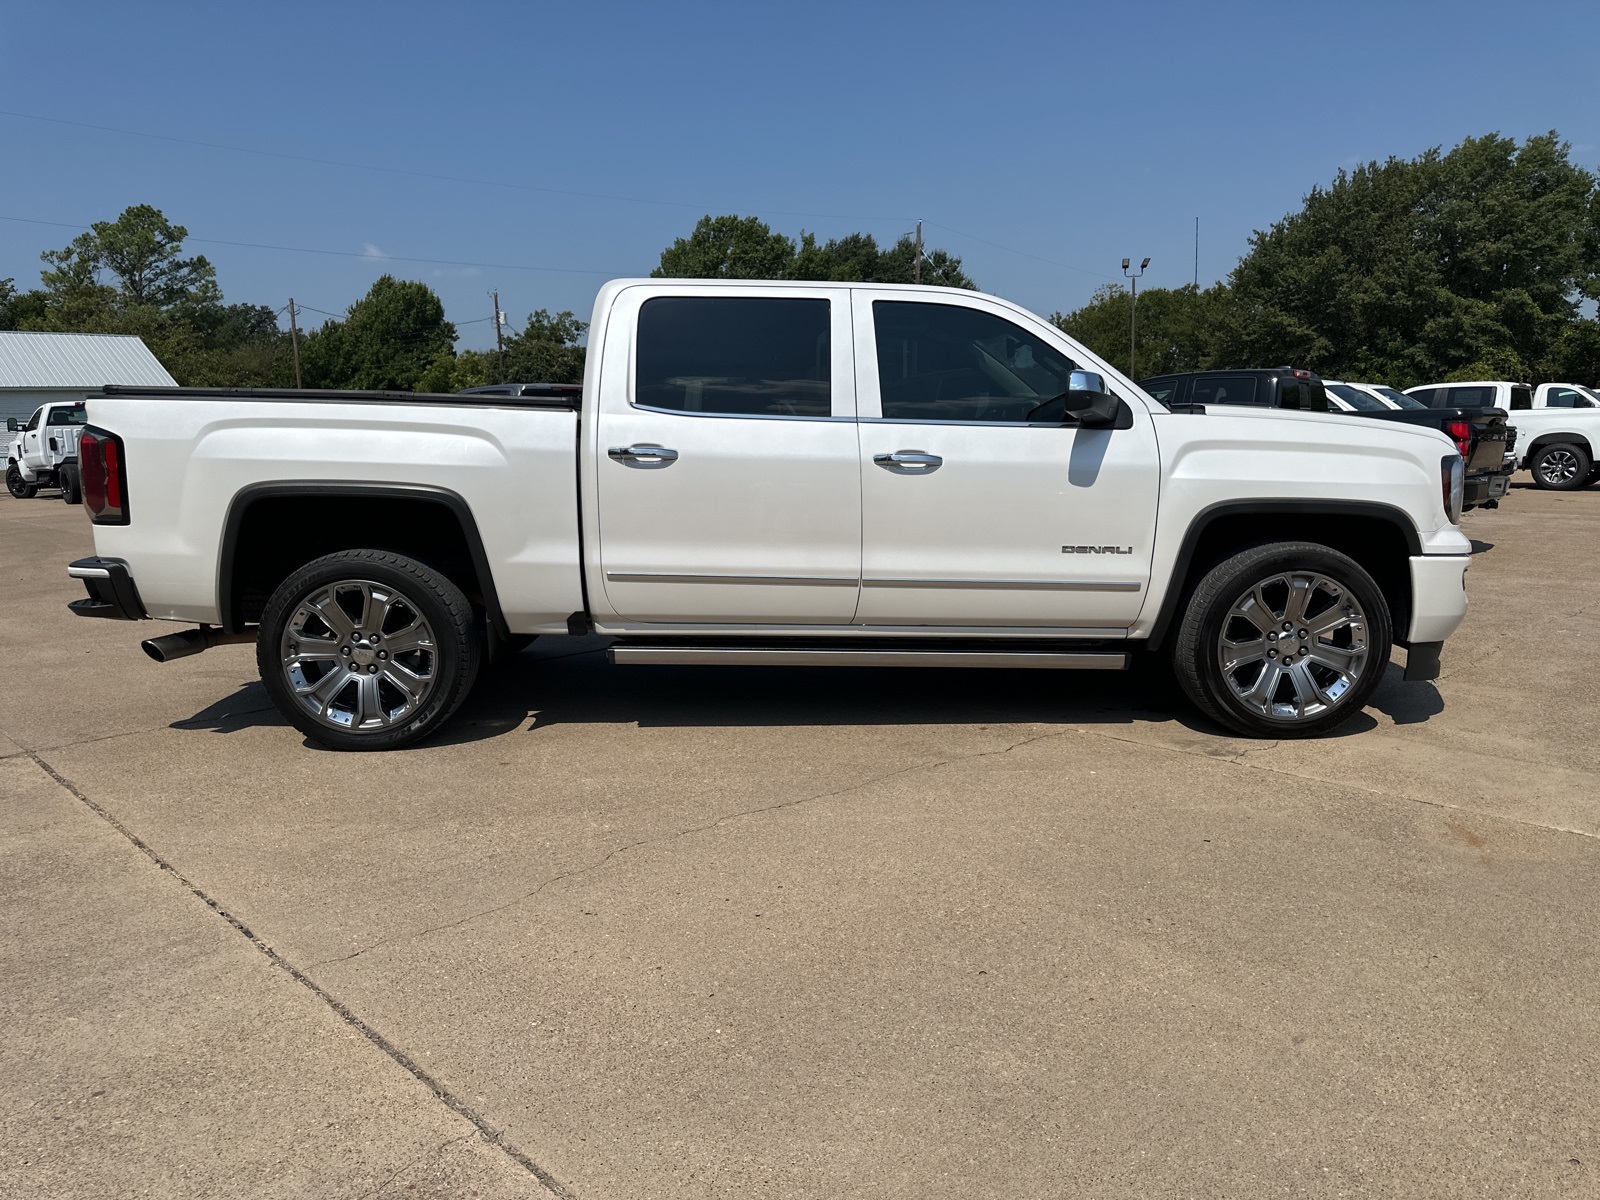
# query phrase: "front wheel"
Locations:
[[1560, 466], [1284, 640], [18, 486], [367, 650]]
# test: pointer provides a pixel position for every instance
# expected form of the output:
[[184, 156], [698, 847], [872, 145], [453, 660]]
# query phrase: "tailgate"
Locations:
[[1489, 438]]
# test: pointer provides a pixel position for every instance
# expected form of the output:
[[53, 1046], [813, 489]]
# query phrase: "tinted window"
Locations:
[[1356, 398], [1225, 389], [1467, 397], [33, 421], [748, 355], [1559, 398], [68, 416], [1521, 397], [943, 362], [1164, 390], [1425, 395]]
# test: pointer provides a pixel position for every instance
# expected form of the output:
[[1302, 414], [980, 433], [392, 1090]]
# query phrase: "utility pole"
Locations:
[[294, 336], [916, 265], [1133, 320], [1197, 254], [499, 340]]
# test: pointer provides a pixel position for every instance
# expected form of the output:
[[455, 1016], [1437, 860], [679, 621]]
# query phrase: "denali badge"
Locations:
[[1097, 549]]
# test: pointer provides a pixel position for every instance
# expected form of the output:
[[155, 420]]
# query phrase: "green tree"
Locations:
[[733, 247], [727, 247], [1180, 329], [388, 340], [142, 250], [547, 350], [1413, 270]]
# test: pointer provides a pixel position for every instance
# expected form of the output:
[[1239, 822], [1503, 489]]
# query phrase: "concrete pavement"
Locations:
[[629, 932]]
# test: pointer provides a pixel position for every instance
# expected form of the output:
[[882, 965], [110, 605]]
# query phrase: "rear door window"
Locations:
[[1226, 389], [757, 356], [1468, 397]]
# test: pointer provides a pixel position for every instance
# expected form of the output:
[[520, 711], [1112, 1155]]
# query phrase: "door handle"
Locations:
[[643, 456], [909, 462]]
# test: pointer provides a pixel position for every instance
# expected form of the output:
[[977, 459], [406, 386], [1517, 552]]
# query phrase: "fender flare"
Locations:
[[454, 501], [1209, 516]]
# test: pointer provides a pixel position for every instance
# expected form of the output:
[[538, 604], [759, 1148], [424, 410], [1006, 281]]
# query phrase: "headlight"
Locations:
[[1453, 482]]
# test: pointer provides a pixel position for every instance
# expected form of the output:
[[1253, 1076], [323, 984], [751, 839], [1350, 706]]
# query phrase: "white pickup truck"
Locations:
[[1558, 432], [44, 451], [764, 473]]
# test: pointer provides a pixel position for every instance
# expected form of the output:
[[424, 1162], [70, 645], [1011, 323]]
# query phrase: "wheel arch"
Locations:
[[404, 518], [1551, 439], [1380, 537]]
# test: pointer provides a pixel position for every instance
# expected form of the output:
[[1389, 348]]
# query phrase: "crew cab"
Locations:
[[44, 451], [1558, 443], [807, 474], [1481, 437]]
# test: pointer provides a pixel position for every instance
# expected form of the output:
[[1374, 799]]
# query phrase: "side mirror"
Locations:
[[11, 424], [1088, 400]]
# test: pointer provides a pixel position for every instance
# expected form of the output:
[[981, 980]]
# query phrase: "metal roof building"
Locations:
[[39, 367]]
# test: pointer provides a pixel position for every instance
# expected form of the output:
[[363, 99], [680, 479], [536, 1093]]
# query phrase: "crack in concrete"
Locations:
[[703, 827], [488, 1132]]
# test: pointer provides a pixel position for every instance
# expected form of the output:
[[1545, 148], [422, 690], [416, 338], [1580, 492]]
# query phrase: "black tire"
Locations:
[[1212, 631], [1561, 466], [1592, 478], [67, 480], [17, 485], [447, 666]]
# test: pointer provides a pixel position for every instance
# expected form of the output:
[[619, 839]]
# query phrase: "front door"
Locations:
[[980, 507], [726, 471]]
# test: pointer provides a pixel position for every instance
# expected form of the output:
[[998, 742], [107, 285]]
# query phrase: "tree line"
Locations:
[[1479, 263], [1482, 262]]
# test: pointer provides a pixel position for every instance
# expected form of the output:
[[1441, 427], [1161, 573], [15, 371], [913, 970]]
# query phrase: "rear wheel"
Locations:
[[18, 486], [1561, 466], [367, 650], [1286, 640], [67, 479]]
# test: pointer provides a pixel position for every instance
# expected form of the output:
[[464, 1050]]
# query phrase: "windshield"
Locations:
[[1356, 398], [1400, 398]]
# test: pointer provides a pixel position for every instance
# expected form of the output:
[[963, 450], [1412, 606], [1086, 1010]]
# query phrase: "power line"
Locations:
[[501, 183], [526, 187], [444, 262]]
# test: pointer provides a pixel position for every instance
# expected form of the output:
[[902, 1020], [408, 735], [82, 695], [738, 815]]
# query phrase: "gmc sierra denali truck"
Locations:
[[815, 474]]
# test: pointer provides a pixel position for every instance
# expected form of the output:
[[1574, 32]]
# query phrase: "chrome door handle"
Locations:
[[909, 462], [643, 456]]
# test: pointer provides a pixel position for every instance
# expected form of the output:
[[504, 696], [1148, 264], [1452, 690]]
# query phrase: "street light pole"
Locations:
[[1133, 319]]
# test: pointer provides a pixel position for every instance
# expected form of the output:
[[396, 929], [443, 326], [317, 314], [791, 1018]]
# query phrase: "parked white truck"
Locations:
[[43, 452], [1558, 432], [764, 473]]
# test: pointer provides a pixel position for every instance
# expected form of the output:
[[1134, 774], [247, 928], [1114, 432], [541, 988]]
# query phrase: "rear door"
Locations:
[[727, 479], [976, 511]]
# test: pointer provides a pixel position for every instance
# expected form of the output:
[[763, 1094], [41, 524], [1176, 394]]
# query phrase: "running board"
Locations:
[[765, 656]]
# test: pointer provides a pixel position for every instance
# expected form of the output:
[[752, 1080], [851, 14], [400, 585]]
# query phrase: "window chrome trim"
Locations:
[[683, 412], [1058, 585], [985, 424], [786, 580]]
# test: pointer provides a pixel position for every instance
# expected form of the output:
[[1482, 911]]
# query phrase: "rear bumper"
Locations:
[[1438, 596], [1480, 489], [112, 593]]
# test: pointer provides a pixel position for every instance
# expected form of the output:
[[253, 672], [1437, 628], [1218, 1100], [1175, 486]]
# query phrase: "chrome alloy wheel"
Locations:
[[359, 656], [1293, 645], [1559, 466]]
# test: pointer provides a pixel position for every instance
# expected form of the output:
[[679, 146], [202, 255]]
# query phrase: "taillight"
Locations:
[[105, 492], [1453, 478], [1461, 433]]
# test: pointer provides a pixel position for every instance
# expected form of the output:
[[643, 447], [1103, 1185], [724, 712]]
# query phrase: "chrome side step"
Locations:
[[801, 656]]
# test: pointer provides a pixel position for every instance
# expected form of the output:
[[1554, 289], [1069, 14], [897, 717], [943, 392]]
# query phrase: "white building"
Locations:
[[36, 368]]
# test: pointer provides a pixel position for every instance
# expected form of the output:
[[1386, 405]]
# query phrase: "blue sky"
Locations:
[[1073, 133]]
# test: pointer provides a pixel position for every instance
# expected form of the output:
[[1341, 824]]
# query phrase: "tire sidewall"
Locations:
[[1235, 579], [456, 648], [67, 478], [19, 487]]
